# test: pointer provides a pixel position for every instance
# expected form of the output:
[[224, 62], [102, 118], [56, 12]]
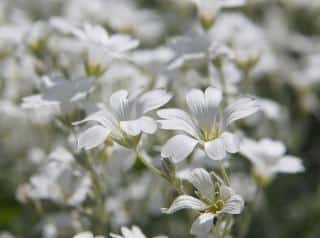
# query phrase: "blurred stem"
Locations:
[[243, 230], [224, 173], [248, 87], [227, 227], [98, 194], [149, 165], [176, 183]]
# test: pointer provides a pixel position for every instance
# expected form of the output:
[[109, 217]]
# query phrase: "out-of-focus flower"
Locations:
[[268, 158], [61, 95], [214, 199], [86, 234], [206, 125], [134, 232], [124, 120], [102, 48], [208, 10], [196, 48], [59, 180]]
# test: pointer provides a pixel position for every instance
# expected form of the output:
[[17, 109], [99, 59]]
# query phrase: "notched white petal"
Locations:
[[92, 137], [231, 142], [185, 202], [239, 109], [216, 149], [202, 181], [152, 100], [234, 205], [201, 227], [178, 147]]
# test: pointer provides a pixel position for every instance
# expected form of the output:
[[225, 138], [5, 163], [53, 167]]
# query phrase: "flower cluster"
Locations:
[[124, 112]]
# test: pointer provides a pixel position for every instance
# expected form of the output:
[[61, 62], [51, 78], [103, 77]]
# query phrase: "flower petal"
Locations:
[[239, 109], [179, 125], [185, 202], [134, 127], [93, 137], [233, 205], [178, 147], [231, 142], [213, 98], [152, 100], [289, 164], [216, 149], [199, 108], [201, 180], [175, 113], [201, 227], [102, 117], [177, 119], [120, 105], [85, 234]]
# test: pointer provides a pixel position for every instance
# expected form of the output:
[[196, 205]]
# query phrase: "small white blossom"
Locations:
[[86, 234], [134, 232], [196, 48], [124, 120], [268, 158], [209, 9], [61, 95], [205, 126], [214, 198]]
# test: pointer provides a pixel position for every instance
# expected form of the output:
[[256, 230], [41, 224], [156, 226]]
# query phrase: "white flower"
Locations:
[[196, 48], [205, 126], [124, 120], [209, 9], [134, 232], [60, 180], [102, 48], [86, 234], [214, 198], [59, 94], [114, 45], [268, 158]]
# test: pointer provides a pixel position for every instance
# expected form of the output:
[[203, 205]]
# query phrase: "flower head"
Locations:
[[59, 94], [134, 232], [214, 198], [268, 158], [124, 120], [209, 9], [205, 126]]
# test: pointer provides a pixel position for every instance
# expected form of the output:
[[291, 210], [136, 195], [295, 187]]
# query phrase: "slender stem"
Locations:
[[248, 218], [226, 228], [224, 173], [148, 165], [98, 193]]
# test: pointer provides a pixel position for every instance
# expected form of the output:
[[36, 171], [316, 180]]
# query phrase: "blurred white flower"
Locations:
[[127, 233], [208, 10], [61, 95], [206, 125], [124, 120], [214, 199], [268, 158], [60, 180], [86, 234], [196, 48], [102, 48], [134, 232]]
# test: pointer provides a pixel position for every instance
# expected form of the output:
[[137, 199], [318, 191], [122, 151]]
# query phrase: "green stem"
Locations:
[[99, 194], [248, 218], [224, 173], [148, 165]]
